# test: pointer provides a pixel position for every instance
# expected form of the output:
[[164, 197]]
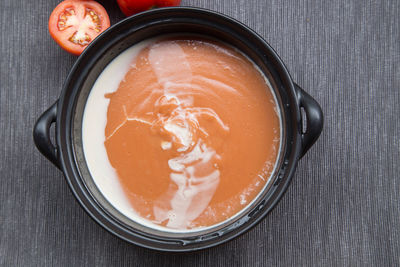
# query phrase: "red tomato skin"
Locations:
[[164, 3], [130, 7]]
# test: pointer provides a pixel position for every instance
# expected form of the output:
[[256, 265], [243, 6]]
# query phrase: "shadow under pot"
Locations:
[[69, 155]]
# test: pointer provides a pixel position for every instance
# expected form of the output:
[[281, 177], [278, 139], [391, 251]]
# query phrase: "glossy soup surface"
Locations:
[[192, 132]]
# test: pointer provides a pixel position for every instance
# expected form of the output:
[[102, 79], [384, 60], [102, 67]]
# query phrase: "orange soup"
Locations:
[[192, 132]]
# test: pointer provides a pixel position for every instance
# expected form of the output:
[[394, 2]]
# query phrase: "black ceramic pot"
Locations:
[[67, 153]]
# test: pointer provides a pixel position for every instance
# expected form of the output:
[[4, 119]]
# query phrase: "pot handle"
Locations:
[[41, 135], [315, 119]]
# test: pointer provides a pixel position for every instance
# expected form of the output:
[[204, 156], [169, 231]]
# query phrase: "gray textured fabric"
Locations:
[[343, 206]]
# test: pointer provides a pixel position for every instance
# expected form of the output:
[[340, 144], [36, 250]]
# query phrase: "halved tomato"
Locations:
[[73, 24]]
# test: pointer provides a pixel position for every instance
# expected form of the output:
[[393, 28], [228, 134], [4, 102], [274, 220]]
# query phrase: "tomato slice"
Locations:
[[73, 24]]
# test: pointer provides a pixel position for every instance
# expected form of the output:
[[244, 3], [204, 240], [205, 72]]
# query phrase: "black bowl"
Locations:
[[66, 113]]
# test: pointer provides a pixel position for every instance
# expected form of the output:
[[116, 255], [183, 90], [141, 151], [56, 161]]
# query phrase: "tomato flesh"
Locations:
[[73, 24], [130, 7]]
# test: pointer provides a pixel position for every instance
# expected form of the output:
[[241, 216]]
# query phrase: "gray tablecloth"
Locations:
[[343, 206]]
